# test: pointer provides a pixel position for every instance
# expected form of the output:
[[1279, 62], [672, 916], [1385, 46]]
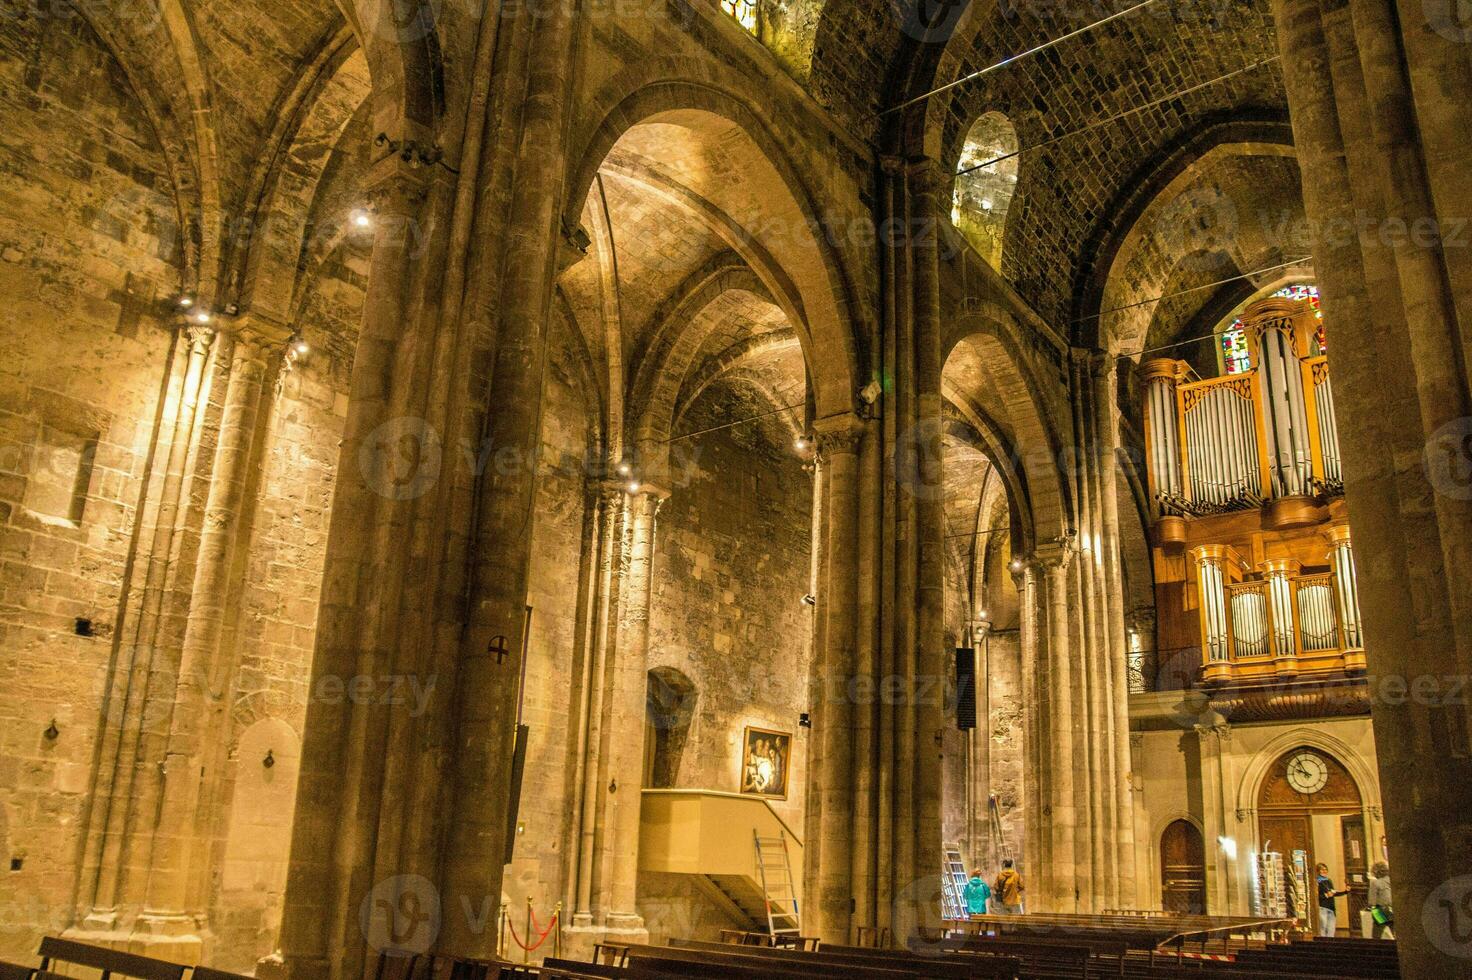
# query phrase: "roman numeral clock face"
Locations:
[[1307, 773]]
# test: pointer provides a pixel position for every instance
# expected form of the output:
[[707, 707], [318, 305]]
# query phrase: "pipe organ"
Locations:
[[1284, 621], [1242, 440], [1245, 476]]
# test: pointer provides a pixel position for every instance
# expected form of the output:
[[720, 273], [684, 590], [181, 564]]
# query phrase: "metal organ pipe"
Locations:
[[1328, 434], [1161, 378], [1346, 586], [1213, 603], [1279, 332]]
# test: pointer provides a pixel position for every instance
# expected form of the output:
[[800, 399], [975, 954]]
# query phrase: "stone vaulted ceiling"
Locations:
[[1070, 193]]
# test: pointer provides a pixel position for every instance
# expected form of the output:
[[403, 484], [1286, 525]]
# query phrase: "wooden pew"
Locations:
[[1302, 958], [559, 968], [936, 968], [737, 958], [1039, 957], [205, 973], [14, 971], [108, 962]]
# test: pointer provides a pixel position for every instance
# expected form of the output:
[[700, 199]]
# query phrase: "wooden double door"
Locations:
[[1286, 832]]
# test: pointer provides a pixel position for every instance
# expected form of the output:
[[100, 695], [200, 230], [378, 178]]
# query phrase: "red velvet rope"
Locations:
[[540, 939]]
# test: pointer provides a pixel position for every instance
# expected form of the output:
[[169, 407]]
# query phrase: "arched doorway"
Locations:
[[1182, 869], [1310, 803]]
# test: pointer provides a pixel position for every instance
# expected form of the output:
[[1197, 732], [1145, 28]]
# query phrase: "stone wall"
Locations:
[[89, 256], [88, 252], [732, 564]]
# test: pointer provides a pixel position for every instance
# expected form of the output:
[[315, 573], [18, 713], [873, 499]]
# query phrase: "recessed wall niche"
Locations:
[[60, 473], [57, 439]]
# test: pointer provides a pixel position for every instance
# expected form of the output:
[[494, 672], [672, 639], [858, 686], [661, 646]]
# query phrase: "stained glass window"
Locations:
[[1235, 356], [745, 13]]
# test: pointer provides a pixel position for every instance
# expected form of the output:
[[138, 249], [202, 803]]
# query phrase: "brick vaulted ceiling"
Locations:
[[1071, 194]]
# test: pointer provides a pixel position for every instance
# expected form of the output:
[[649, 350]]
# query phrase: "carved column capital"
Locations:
[[260, 338], [1053, 555], [925, 175], [198, 335], [394, 188], [838, 435]]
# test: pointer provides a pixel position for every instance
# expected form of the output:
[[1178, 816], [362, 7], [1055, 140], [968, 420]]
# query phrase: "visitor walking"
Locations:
[[1009, 890], [977, 894], [1382, 914]]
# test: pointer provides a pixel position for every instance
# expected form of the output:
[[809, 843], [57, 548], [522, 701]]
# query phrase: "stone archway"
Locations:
[[1309, 802]]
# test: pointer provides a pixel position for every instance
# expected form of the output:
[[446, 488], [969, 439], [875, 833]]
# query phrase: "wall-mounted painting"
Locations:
[[765, 759]]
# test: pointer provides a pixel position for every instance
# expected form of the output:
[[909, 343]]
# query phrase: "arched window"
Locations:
[[745, 12], [1232, 339], [986, 179]]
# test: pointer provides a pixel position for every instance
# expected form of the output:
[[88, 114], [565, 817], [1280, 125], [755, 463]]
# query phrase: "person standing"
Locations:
[[1009, 890], [1382, 914], [1328, 912], [977, 894]]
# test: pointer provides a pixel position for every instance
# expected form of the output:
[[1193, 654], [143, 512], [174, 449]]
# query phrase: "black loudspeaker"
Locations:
[[965, 688]]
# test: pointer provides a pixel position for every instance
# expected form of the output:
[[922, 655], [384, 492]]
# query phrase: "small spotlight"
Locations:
[[185, 302], [810, 600], [634, 486], [1016, 564], [801, 442], [301, 347], [987, 205], [625, 468], [201, 317], [362, 219], [983, 616]]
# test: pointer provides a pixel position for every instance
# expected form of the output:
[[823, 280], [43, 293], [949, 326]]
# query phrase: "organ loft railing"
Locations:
[[1261, 438], [1275, 619]]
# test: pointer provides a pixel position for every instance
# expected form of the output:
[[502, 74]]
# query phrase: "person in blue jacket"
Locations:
[[977, 893]]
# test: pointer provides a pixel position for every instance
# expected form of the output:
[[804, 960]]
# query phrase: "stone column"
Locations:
[[126, 783], [1063, 728], [336, 824], [868, 672], [1216, 805], [611, 519], [169, 925], [1375, 102], [625, 720], [1035, 851], [492, 653], [1106, 434], [833, 781], [931, 669]]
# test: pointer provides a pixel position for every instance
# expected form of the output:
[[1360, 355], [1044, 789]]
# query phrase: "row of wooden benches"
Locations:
[[954, 958], [1098, 957], [991, 957], [109, 963]]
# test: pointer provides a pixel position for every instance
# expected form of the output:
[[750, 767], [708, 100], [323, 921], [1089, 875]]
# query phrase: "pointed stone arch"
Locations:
[[766, 212]]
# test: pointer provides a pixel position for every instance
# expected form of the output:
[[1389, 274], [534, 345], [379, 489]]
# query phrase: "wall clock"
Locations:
[[1307, 773]]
